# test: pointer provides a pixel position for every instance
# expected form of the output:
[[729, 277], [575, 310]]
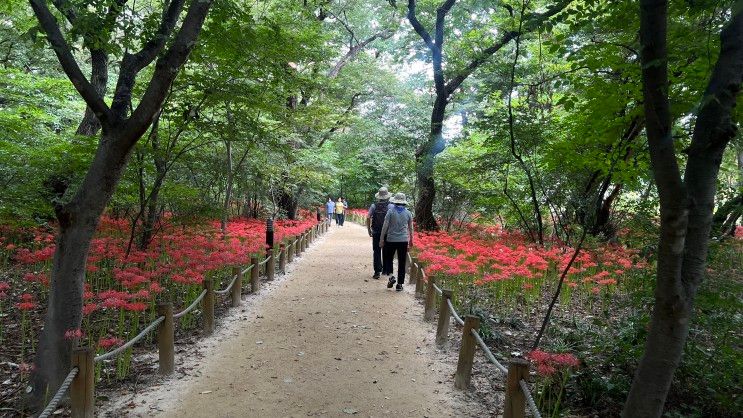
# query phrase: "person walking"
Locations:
[[339, 213], [330, 209], [397, 231], [374, 223]]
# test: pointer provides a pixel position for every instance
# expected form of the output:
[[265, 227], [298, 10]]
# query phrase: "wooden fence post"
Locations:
[[412, 271], [466, 353], [282, 258], [236, 291], [298, 250], [165, 339], [270, 265], [429, 313], [514, 403], [418, 281], [442, 330], [82, 390], [290, 252], [255, 281], [208, 306]]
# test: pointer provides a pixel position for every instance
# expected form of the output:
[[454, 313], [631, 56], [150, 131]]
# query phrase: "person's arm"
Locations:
[[385, 227], [368, 219], [410, 228]]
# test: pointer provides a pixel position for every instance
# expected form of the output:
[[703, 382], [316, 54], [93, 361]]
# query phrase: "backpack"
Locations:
[[380, 211]]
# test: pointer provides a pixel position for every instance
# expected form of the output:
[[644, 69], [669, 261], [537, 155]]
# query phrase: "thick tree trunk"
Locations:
[[288, 204], [79, 218], [686, 204], [425, 160], [77, 224]]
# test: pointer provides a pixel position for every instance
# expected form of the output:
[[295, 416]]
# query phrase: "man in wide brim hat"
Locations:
[[382, 194], [374, 222]]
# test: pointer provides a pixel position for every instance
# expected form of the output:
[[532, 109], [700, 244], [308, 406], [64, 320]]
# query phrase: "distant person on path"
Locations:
[[397, 231], [330, 208], [374, 223], [339, 214]]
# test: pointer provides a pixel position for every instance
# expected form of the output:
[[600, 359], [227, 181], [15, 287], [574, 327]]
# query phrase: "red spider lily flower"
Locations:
[[4, 286], [135, 306], [72, 334], [89, 308], [110, 342], [27, 302], [114, 303], [549, 363], [37, 278]]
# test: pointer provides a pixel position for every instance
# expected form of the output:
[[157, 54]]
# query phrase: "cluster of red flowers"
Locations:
[[497, 256], [26, 303], [548, 364], [72, 334], [109, 342], [4, 286], [176, 256]]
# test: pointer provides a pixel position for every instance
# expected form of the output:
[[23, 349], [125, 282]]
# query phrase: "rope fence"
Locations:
[[82, 392], [529, 399], [128, 344], [454, 313], [488, 353], [518, 396], [192, 306], [54, 402], [250, 267], [270, 257], [228, 288]]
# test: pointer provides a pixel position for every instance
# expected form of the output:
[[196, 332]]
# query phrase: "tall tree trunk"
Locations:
[[90, 125], [425, 160], [77, 223], [288, 203], [685, 204], [228, 191], [151, 213], [121, 130]]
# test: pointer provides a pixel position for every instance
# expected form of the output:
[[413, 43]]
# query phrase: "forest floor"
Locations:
[[323, 340]]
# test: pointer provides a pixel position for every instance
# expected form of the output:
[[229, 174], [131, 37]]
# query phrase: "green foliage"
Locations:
[[37, 118]]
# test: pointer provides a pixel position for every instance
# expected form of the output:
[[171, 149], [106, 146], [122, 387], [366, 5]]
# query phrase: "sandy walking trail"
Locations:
[[327, 341]]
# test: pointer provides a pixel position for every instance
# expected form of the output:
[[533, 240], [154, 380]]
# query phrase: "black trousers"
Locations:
[[377, 263], [390, 249]]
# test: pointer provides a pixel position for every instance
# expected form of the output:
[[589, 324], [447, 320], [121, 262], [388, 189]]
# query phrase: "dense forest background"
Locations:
[[531, 116]]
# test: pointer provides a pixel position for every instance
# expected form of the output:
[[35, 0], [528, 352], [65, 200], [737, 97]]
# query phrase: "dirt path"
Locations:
[[326, 341]]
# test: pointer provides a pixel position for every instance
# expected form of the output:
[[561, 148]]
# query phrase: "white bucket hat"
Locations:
[[399, 199], [382, 194]]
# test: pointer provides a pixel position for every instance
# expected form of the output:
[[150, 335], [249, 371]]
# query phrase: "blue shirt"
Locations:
[[330, 206]]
